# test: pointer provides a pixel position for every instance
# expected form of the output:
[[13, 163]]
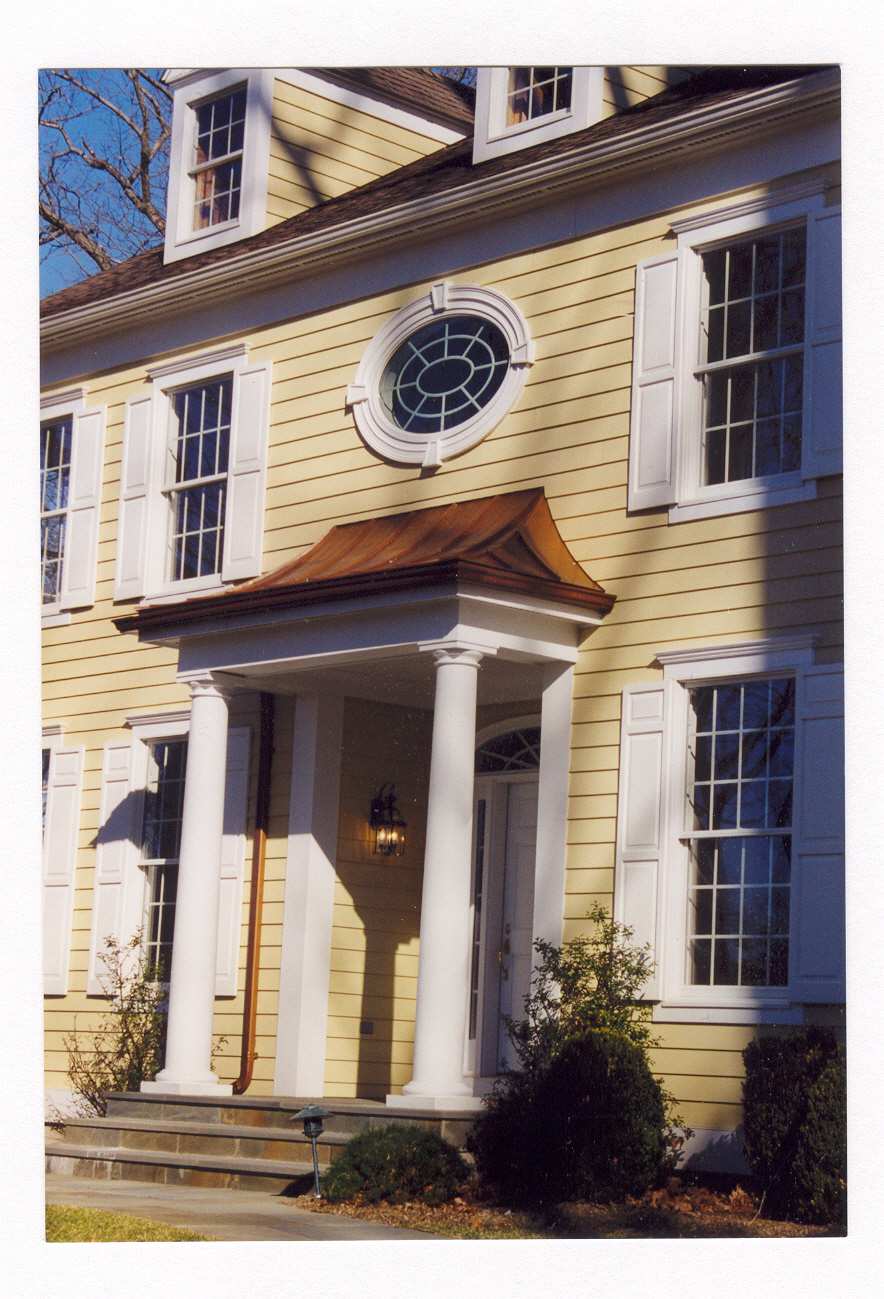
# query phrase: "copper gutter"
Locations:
[[259, 848]]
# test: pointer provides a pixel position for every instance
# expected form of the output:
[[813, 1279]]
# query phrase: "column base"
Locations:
[[466, 1104], [203, 1087]]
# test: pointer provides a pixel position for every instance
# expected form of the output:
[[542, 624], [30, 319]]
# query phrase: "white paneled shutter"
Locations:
[[818, 950], [118, 902], [116, 855], [822, 438], [135, 485], [84, 505], [640, 820], [233, 844], [244, 522], [60, 834], [652, 459]]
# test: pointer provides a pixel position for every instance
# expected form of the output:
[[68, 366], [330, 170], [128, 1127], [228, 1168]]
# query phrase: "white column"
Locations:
[[444, 961], [552, 801], [305, 960], [188, 1068]]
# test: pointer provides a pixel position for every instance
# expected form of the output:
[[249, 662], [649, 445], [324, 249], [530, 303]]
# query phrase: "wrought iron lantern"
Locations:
[[387, 823], [312, 1116]]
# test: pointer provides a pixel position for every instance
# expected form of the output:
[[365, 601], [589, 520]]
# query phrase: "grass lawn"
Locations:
[[66, 1225]]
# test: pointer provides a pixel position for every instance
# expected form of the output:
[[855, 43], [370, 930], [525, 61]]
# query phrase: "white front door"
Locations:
[[505, 836]]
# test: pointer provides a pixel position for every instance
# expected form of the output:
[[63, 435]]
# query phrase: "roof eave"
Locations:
[[751, 115]]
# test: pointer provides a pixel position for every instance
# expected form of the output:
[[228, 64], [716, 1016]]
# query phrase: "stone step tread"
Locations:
[[172, 1159], [254, 1132]]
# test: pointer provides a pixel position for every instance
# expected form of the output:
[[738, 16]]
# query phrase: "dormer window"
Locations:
[[219, 160], [217, 171], [522, 106], [537, 92]]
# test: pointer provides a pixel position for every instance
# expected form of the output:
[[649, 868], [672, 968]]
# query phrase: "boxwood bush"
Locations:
[[396, 1163], [589, 1125], [795, 1123]]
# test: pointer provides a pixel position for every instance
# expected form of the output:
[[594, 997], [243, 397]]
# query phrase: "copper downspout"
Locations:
[[259, 846]]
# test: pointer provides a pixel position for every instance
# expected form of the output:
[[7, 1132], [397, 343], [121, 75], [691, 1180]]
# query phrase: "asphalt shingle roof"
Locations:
[[437, 173]]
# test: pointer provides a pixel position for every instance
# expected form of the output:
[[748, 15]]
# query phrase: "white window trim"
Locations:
[[191, 90], [493, 137], [667, 381], [120, 902], [427, 449], [143, 531], [676, 1001], [84, 498]]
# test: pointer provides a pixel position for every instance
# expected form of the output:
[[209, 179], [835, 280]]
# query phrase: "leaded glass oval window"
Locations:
[[444, 374], [440, 374], [514, 751]]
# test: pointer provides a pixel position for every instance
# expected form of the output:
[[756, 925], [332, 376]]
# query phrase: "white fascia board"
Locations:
[[763, 113]]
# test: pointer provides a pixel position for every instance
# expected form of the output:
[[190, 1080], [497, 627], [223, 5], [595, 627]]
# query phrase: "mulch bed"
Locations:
[[680, 1209]]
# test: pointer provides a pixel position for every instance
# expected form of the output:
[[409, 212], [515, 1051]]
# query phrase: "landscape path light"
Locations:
[[313, 1116]]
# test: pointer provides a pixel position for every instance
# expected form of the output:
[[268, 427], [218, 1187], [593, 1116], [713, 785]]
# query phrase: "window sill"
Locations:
[[756, 498], [55, 618], [758, 1012], [184, 590]]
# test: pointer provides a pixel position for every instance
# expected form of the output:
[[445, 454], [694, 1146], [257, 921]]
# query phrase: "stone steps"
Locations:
[[239, 1143]]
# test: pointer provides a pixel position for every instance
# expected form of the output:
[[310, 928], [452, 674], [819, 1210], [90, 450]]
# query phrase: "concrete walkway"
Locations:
[[224, 1215]]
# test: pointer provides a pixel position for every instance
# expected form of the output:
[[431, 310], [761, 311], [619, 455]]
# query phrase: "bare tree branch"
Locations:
[[104, 144]]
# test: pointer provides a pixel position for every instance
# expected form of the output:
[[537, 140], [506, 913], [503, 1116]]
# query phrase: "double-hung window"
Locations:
[[730, 830], [736, 396], [193, 476], [160, 847], [517, 107], [216, 173], [139, 843], [219, 158], [196, 472], [71, 450]]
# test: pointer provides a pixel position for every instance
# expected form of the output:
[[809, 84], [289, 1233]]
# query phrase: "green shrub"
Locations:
[[396, 1163], [795, 1124], [589, 1126]]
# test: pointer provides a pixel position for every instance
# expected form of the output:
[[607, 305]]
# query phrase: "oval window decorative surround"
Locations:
[[440, 374]]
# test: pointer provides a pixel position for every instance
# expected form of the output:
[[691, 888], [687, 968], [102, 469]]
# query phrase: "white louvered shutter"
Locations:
[[640, 819], [133, 531], [233, 848], [244, 523], [822, 435], [652, 457], [818, 927], [84, 505], [60, 834]]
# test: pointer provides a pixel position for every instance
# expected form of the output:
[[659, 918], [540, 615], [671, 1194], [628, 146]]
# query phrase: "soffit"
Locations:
[[507, 545]]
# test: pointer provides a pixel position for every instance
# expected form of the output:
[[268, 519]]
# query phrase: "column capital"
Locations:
[[456, 651], [206, 684]]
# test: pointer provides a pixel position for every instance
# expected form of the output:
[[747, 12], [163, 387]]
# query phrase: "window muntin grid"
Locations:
[[514, 751], [444, 374], [537, 92], [218, 157], [752, 356], [197, 466], [55, 477], [161, 846], [740, 796]]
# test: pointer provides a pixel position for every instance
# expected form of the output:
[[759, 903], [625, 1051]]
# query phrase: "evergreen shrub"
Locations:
[[795, 1124], [396, 1163], [591, 1125]]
